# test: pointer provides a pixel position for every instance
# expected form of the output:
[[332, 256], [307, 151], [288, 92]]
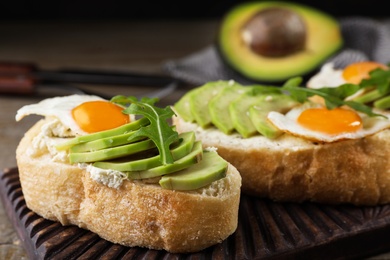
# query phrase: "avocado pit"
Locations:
[[275, 32]]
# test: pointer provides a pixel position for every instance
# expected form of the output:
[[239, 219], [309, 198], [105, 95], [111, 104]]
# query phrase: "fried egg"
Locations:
[[319, 124], [82, 114], [354, 73]]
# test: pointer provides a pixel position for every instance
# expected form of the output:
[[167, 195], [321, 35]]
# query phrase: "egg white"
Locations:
[[328, 76], [59, 108], [288, 123]]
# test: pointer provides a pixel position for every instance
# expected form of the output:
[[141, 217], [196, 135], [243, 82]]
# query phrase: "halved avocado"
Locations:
[[274, 41]]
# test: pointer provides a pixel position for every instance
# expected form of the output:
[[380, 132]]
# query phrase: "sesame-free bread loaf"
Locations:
[[135, 214], [294, 169]]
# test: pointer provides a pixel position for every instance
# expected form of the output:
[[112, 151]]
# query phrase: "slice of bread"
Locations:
[[137, 213], [293, 169]]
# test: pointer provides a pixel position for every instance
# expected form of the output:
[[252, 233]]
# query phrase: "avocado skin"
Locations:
[[324, 40]]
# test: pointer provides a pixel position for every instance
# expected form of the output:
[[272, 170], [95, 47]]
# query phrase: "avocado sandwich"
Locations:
[[119, 169], [294, 143]]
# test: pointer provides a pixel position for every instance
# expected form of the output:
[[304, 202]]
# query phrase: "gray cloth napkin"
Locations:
[[364, 39]]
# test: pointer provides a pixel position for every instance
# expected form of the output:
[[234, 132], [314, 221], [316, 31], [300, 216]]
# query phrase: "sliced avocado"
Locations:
[[179, 150], [105, 143], [239, 112], [249, 111], [200, 98], [370, 96], [258, 113], [257, 40], [103, 134], [210, 169], [112, 153], [383, 103], [192, 158], [219, 107], [182, 107]]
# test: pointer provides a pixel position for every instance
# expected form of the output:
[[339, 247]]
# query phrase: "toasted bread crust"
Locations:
[[136, 214], [292, 169]]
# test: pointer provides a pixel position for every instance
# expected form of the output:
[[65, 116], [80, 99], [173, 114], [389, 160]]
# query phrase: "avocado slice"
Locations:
[[257, 40], [249, 111], [200, 98], [210, 169], [219, 107], [112, 153], [382, 103], [369, 96], [239, 111], [192, 158], [178, 150], [132, 126], [258, 113], [182, 107], [107, 142]]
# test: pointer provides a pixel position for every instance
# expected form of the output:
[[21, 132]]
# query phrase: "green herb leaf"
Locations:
[[333, 96], [292, 88], [380, 79], [159, 130]]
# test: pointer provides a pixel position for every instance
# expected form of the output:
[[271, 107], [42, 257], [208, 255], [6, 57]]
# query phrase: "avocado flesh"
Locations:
[[200, 98], [219, 107], [192, 158], [258, 113], [369, 96], [107, 142], [182, 107], [108, 133], [210, 169], [112, 153], [379, 100], [383, 103], [178, 151], [239, 114], [243, 108], [324, 38]]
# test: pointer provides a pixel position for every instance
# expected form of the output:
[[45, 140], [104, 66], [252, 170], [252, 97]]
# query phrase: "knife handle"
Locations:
[[16, 78], [17, 67], [16, 84]]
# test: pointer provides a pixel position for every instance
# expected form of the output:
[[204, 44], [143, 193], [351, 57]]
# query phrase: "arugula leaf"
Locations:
[[159, 130], [333, 96], [292, 87], [380, 79]]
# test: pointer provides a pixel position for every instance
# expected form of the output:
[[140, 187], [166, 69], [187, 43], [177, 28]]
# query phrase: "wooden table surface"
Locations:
[[140, 46]]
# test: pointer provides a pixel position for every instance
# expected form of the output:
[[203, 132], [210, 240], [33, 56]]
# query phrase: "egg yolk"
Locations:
[[356, 72], [333, 121], [95, 116]]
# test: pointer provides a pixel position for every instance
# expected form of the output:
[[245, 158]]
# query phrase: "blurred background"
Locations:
[[99, 9], [122, 35]]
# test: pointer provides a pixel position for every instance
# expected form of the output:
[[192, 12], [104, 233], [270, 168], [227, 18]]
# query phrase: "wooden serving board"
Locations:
[[266, 230]]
